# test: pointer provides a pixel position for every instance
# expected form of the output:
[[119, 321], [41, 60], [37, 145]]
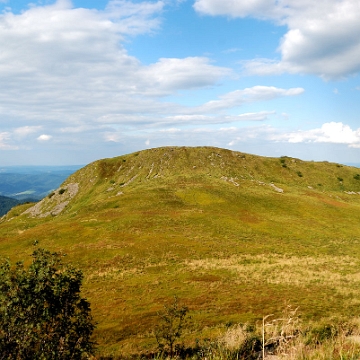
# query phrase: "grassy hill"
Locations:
[[234, 236]]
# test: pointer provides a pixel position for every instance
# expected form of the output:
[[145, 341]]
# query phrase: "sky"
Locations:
[[86, 80]]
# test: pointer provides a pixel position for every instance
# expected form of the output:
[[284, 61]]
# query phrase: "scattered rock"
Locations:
[[230, 180], [279, 190]]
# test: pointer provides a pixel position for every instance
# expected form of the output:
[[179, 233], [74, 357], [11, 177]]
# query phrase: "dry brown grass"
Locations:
[[340, 272]]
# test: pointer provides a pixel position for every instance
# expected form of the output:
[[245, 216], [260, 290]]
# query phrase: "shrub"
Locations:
[[42, 315], [169, 331], [61, 191], [357, 177], [320, 333]]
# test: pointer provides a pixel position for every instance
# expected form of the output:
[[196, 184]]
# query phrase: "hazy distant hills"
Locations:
[[35, 182], [235, 236], [6, 204]]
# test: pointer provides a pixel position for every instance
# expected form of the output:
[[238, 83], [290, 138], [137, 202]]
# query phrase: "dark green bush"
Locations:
[[319, 334], [42, 315]]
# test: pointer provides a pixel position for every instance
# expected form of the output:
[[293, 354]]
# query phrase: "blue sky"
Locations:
[[84, 80]]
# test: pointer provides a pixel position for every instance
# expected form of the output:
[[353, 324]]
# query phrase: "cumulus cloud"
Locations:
[[321, 38], [332, 132], [169, 75], [65, 71], [44, 137], [68, 66]]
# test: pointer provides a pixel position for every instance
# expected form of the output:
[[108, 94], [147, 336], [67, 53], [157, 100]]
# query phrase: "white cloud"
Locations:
[[4, 138], [195, 119], [171, 130], [249, 95], [332, 132], [67, 66], [24, 131], [44, 137], [112, 137], [66, 76], [132, 18], [322, 36], [258, 8], [169, 75]]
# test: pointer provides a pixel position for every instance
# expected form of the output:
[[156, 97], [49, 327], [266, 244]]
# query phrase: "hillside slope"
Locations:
[[233, 235]]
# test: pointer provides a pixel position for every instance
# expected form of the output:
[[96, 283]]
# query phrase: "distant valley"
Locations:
[[20, 184]]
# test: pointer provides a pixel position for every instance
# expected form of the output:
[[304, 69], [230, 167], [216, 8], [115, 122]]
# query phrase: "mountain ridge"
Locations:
[[168, 162]]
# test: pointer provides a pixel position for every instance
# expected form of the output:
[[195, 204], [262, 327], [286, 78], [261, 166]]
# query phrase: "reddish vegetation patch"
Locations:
[[247, 217], [328, 200], [206, 278]]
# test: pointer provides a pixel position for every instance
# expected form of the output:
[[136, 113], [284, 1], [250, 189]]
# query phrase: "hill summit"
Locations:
[[161, 166], [234, 236]]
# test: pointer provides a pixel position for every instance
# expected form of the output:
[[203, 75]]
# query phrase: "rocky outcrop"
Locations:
[[55, 202]]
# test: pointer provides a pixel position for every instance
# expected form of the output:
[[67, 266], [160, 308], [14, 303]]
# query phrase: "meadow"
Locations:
[[235, 237]]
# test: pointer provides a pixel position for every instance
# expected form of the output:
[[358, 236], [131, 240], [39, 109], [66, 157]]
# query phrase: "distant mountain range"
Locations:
[[19, 184], [6, 204]]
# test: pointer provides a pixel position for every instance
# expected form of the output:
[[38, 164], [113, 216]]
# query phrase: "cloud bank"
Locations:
[[333, 132], [65, 71], [67, 80], [322, 36]]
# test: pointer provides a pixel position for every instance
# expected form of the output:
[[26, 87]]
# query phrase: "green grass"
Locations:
[[203, 224]]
